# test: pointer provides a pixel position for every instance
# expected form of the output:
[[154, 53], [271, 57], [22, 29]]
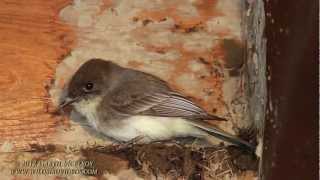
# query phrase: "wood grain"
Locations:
[[32, 41]]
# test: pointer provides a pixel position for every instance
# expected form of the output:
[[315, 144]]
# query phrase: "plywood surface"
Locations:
[[32, 41]]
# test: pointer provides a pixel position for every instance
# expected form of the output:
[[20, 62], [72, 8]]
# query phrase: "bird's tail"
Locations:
[[213, 117], [223, 135]]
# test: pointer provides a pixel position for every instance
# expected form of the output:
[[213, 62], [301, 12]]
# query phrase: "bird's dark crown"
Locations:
[[96, 73]]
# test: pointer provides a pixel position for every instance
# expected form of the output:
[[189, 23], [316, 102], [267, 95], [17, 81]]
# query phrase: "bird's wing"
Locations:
[[154, 102], [176, 105]]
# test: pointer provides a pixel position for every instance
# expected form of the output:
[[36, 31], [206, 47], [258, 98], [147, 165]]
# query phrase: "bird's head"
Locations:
[[89, 82]]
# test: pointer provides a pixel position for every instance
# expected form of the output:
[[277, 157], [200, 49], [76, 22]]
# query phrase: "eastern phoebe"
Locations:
[[123, 104]]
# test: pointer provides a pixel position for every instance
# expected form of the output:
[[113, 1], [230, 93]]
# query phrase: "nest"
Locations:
[[173, 161]]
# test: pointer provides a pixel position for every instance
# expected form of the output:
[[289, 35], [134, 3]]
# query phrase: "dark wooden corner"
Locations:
[[291, 135]]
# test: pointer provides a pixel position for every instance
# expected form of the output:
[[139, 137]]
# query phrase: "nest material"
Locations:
[[173, 161]]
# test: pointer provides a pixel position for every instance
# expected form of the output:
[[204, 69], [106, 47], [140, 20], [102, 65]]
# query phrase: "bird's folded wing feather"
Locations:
[[165, 104], [176, 105]]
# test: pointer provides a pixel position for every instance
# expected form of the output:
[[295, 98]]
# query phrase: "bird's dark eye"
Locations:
[[88, 87]]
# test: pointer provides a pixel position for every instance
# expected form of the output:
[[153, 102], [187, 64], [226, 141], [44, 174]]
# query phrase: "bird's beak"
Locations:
[[67, 102]]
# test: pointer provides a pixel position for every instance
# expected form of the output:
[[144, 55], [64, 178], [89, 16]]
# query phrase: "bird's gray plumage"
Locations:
[[153, 98], [125, 93]]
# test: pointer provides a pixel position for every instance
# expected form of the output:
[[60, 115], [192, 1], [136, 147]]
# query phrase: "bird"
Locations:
[[124, 103]]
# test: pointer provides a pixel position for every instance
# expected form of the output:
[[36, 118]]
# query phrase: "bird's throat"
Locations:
[[88, 108]]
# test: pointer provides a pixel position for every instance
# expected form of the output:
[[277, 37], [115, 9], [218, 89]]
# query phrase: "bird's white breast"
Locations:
[[149, 127], [153, 128]]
